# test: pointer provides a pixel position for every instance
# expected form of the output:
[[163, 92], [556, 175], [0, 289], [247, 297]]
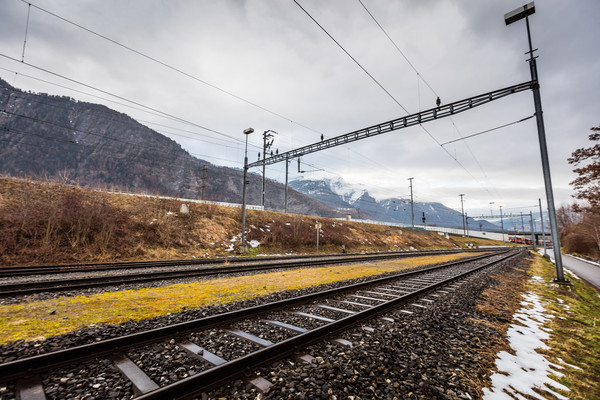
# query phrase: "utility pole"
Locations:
[[532, 231], [287, 164], [522, 224], [502, 224], [412, 210], [243, 248], [202, 180], [543, 230], [267, 143], [318, 228], [509, 18], [468, 234], [463, 214]]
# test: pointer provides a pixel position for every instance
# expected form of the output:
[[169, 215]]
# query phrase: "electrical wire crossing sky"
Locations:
[[201, 72]]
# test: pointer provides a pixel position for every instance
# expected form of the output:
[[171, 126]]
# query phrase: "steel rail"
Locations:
[[195, 385], [93, 267], [28, 288], [84, 267], [37, 364]]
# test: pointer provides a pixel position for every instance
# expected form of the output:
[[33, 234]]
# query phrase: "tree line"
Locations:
[[579, 222]]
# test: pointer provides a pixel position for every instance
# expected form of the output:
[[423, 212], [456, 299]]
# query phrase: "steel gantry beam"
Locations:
[[442, 111]]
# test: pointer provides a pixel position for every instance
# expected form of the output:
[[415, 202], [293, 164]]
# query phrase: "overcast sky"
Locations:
[[268, 65]]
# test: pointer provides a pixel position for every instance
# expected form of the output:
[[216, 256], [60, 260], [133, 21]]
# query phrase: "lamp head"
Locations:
[[248, 131], [519, 13]]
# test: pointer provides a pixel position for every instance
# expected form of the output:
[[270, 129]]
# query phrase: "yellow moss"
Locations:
[[57, 316]]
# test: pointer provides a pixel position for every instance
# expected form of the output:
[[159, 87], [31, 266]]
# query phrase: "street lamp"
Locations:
[[491, 211], [513, 16], [243, 248]]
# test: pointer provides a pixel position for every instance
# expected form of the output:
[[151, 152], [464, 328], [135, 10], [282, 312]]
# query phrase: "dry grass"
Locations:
[[37, 319], [575, 336], [45, 223], [575, 328]]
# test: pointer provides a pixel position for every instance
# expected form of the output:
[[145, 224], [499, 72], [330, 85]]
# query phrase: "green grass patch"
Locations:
[[36, 319], [575, 336]]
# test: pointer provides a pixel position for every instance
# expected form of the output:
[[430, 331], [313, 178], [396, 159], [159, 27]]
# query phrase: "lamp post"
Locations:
[[491, 211], [243, 247], [509, 18]]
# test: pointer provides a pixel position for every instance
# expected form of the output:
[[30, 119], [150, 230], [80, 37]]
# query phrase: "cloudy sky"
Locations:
[[203, 71]]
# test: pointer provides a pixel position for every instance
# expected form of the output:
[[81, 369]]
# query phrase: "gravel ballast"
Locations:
[[445, 350]]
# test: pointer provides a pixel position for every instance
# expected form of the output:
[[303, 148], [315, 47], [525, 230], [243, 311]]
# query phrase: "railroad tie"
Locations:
[[141, 382], [30, 389], [260, 383]]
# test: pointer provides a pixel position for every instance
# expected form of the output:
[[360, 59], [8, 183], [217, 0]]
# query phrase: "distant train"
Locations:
[[520, 240], [528, 241]]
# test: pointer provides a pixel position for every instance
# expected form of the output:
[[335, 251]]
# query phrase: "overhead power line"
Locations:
[[489, 130], [351, 57], [397, 48], [109, 112], [420, 77], [119, 97], [175, 69]]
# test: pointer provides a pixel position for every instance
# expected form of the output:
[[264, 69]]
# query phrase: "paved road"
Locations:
[[584, 270]]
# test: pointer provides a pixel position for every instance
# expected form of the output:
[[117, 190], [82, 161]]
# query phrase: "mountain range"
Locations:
[[356, 200], [91, 145]]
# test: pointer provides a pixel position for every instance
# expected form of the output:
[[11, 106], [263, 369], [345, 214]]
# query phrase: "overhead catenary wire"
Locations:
[[175, 69], [398, 49], [379, 84], [119, 97], [351, 57], [350, 149], [120, 121], [110, 112], [187, 74], [489, 130], [420, 77]]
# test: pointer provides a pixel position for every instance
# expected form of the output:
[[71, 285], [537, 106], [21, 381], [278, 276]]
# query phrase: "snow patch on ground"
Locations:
[[518, 374], [254, 243]]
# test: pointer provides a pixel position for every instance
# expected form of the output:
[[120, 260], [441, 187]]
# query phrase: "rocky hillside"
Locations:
[[91, 145]]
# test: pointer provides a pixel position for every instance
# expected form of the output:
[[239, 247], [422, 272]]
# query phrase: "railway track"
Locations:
[[15, 271], [305, 320], [143, 271]]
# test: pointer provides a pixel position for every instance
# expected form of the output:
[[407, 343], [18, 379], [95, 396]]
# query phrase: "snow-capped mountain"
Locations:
[[347, 192], [355, 200]]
